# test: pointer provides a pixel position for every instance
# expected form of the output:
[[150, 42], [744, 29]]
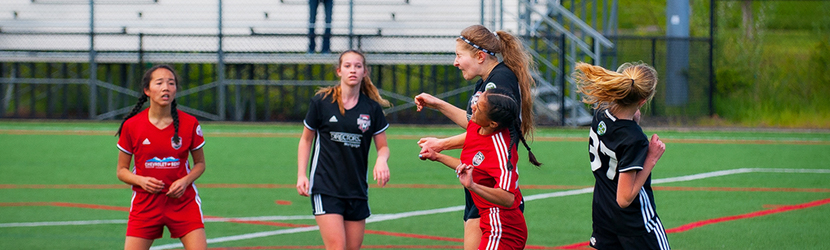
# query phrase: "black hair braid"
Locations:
[[136, 109], [505, 110], [515, 133], [530, 156], [175, 113], [515, 137]]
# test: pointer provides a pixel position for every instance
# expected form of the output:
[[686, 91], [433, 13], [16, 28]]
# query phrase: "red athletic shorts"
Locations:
[[502, 229], [149, 214]]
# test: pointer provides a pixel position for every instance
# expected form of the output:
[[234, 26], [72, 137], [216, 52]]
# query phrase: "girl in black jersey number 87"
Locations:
[[622, 157], [342, 121]]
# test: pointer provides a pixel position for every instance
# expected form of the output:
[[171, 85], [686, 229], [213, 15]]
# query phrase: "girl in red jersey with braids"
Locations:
[[160, 139], [477, 52], [488, 169]]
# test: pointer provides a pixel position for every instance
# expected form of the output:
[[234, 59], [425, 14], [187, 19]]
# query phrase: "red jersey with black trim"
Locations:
[[153, 149], [488, 155]]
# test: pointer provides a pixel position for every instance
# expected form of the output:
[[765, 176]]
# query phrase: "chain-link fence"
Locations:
[[265, 72]]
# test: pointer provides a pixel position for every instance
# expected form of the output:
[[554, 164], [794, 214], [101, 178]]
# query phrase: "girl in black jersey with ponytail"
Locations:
[[622, 157], [342, 122]]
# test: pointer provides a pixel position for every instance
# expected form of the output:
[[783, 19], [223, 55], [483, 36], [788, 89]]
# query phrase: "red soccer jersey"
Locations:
[[501, 227], [488, 155], [153, 149]]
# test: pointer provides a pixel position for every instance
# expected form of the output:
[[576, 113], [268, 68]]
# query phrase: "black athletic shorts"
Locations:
[[351, 209], [603, 239], [470, 209]]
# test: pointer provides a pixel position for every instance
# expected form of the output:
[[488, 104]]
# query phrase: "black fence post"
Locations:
[[562, 79], [712, 24], [2, 91], [653, 107]]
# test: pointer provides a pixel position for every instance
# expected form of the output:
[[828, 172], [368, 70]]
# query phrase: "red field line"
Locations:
[[63, 204], [730, 189], [689, 226], [412, 186], [683, 228], [693, 225], [410, 137], [362, 247], [416, 236], [63, 186], [254, 222]]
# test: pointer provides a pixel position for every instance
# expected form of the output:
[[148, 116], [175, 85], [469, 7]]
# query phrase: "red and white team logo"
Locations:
[[478, 158], [363, 122], [174, 144]]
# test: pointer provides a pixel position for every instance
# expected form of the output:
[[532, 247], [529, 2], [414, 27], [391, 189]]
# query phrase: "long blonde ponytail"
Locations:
[[627, 86], [516, 58]]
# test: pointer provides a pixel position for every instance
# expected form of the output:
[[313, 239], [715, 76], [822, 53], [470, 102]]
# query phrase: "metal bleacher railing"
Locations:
[[391, 32]]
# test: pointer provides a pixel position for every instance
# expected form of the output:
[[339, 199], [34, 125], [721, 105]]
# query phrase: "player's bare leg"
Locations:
[[472, 234], [354, 234], [333, 231], [136, 243], [195, 240]]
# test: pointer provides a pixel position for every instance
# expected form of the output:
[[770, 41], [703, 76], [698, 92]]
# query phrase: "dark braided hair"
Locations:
[[175, 113], [145, 84], [505, 111]]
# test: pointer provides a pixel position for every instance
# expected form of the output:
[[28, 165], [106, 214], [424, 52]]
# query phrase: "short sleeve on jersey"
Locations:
[[125, 142], [635, 156], [312, 120], [198, 137], [380, 123]]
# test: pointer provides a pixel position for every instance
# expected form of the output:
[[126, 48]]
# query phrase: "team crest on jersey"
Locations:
[[174, 144], [489, 86], [478, 158], [601, 128], [363, 122]]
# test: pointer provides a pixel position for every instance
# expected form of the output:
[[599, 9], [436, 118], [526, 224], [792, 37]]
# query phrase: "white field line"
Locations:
[[62, 223], [385, 217]]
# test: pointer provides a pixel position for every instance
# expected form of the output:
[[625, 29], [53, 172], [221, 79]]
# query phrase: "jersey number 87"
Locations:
[[595, 147]]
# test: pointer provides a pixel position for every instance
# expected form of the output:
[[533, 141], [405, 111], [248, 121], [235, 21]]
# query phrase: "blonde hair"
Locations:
[[630, 84], [515, 57], [366, 86]]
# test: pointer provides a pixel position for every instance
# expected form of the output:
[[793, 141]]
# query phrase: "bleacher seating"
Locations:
[[387, 26]]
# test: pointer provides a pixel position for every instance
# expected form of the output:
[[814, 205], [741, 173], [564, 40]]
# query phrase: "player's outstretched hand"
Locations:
[[425, 100], [381, 173], [430, 143], [151, 185], [302, 186], [656, 147], [428, 153]]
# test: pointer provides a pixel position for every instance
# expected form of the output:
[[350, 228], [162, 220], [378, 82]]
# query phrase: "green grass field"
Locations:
[[713, 189]]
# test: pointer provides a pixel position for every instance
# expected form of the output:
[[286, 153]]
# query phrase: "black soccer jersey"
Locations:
[[618, 146], [340, 153], [501, 77]]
